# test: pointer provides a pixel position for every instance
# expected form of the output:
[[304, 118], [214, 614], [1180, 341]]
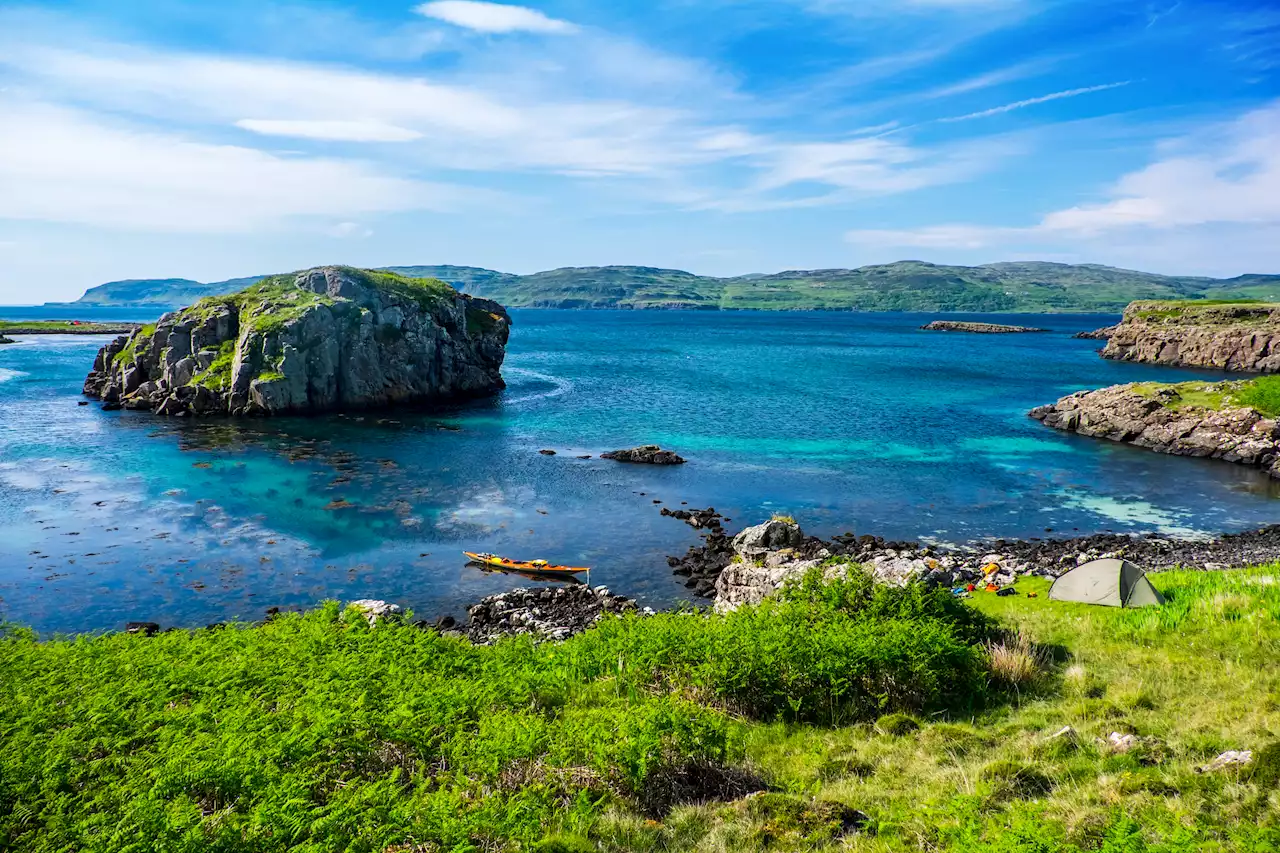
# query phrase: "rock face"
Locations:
[[1146, 417], [647, 454], [1238, 336], [980, 328], [324, 339]]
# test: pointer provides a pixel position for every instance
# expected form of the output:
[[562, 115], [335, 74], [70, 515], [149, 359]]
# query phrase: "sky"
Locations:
[[161, 138]]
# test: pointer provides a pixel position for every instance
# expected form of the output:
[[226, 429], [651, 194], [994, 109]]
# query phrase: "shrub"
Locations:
[[1262, 394], [897, 725], [787, 818]]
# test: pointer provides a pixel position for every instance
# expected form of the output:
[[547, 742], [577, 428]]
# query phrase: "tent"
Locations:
[[1111, 583]]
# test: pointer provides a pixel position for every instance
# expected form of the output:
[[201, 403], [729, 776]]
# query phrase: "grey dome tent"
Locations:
[[1111, 583]]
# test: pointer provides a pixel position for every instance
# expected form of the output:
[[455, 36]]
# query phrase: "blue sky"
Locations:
[[209, 140]]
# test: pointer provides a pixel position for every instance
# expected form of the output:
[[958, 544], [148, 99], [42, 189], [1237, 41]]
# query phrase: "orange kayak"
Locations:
[[541, 567]]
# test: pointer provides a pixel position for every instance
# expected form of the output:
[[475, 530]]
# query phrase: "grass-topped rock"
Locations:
[[319, 340], [1232, 421], [1230, 335]]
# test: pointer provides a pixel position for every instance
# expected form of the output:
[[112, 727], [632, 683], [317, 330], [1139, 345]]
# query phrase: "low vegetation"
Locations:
[[903, 286], [1261, 394], [879, 719]]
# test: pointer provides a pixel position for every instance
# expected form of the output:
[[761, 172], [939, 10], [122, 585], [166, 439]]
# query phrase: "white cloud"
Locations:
[[493, 17], [1017, 105], [62, 165], [1219, 188], [349, 229], [342, 131]]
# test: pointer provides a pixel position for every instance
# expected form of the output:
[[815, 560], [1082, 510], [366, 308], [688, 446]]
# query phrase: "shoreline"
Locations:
[[554, 612]]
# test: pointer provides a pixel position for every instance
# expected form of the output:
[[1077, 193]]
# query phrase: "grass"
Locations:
[[1183, 309], [319, 732], [20, 327], [1261, 394], [217, 377]]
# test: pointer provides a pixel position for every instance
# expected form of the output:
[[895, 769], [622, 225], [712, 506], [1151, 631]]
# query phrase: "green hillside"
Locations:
[[1027, 286]]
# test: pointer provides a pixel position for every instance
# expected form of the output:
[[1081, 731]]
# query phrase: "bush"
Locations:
[[897, 725], [823, 653]]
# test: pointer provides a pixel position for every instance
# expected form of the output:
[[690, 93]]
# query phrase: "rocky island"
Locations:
[[64, 327], [319, 340], [4, 340], [979, 328], [1242, 336], [1232, 421]]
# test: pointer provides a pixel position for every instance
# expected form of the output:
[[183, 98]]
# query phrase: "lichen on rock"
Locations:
[[323, 339]]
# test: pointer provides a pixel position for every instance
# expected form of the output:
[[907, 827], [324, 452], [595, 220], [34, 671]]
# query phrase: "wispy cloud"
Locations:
[[342, 131], [62, 165], [1224, 177], [494, 17], [1029, 102]]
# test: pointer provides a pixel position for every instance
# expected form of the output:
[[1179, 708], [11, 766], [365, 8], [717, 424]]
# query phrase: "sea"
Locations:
[[846, 421]]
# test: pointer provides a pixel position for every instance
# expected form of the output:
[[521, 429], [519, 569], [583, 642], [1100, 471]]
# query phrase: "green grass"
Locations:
[[19, 327], [1261, 394], [320, 732], [218, 375]]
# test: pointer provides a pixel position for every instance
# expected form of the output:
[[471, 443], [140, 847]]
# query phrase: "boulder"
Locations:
[[326, 339], [755, 542]]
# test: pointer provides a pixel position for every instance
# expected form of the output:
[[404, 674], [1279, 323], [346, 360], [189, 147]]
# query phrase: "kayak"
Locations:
[[541, 567]]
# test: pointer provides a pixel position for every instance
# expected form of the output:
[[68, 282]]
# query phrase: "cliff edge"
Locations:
[[1240, 336], [319, 340]]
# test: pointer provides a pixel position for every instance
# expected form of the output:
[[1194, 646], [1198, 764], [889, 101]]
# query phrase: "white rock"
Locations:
[[373, 608], [1230, 758], [1121, 743]]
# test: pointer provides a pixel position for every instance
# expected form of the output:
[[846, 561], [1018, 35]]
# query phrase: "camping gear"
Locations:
[[1110, 583], [1008, 590], [541, 567]]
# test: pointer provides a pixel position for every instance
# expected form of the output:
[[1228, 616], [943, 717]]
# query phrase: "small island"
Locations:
[[4, 340], [63, 327], [978, 328], [320, 340]]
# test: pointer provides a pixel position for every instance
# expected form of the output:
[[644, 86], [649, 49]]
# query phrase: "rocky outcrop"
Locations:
[[547, 613], [4, 340], [980, 328], [1154, 417], [1102, 334], [325, 339], [1234, 336], [645, 454]]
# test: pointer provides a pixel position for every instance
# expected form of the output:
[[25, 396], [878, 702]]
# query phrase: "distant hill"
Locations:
[[1025, 286]]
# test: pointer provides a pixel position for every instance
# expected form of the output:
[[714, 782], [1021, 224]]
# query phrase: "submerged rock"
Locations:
[[320, 340], [646, 454]]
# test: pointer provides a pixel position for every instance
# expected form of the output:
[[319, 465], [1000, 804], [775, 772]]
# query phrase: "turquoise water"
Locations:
[[847, 421]]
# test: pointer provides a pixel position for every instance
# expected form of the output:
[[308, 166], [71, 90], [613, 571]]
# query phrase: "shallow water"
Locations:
[[846, 421]]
